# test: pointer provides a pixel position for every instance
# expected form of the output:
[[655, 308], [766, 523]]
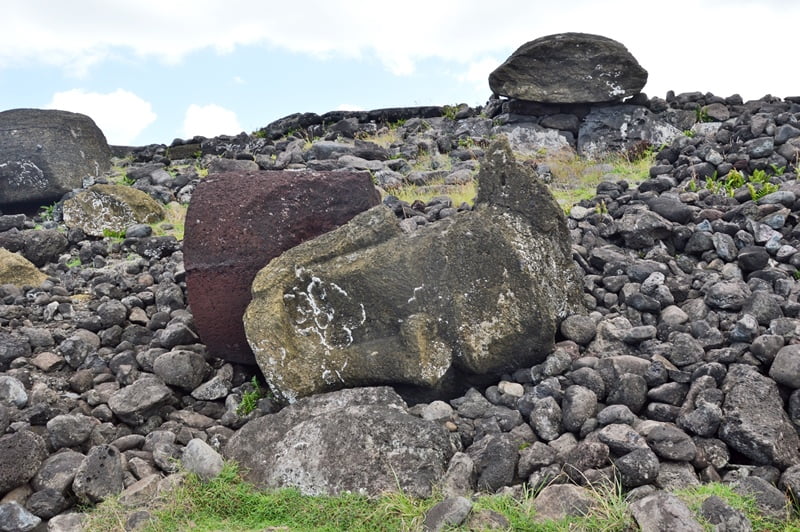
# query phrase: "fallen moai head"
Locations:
[[474, 295]]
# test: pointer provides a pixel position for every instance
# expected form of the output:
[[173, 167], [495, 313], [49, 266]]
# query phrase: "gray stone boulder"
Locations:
[[360, 440], [617, 128], [39, 246], [664, 511], [110, 208], [754, 421], [19, 271], [21, 455], [46, 153], [569, 68], [100, 475], [473, 295]]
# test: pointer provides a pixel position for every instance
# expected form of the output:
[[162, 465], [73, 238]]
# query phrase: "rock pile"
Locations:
[[683, 371]]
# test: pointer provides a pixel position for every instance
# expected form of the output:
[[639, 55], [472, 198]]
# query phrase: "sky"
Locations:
[[150, 71]]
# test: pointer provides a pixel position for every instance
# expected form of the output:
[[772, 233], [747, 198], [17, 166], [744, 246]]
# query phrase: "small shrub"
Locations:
[[250, 398], [116, 235], [450, 111], [47, 212], [74, 262]]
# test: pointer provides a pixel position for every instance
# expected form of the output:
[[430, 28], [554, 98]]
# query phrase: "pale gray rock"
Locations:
[[664, 511], [199, 458], [359, 440]]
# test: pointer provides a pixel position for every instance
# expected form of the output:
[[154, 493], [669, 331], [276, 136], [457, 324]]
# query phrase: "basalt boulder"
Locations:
[[362, 441], [569, 68], [46, 153], [17, 270], [469, 297], [622, 127], [103, 208], [238, 221]]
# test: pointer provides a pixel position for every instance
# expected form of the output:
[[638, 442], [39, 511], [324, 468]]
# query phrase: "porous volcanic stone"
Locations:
[[238, 221], [569, 68]]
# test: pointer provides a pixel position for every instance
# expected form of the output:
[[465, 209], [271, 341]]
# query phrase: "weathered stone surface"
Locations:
[[450, 512], [100, 474], [557, 501], [111, 208], [15, 518], [569, 68], [474, 294], [617, 128], [754, 422], [17, 270], [664, 511], [238, 222], [21, 455], [135, 403], [46, 153], [201, 459], [359, 440]]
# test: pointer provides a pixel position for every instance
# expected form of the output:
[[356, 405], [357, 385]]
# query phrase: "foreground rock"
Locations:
[[16, 270], [475, 294], [360, 441], [46, 153], [569, 68], [239, 221]]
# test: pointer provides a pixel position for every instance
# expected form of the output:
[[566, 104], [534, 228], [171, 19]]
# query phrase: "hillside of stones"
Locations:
[[684, 369]]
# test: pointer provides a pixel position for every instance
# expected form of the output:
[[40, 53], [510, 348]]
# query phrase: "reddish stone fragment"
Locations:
[[238, 221]]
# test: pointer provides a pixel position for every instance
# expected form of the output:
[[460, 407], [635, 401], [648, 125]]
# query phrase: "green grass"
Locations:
[[174, 221], [465, 192], [694, 497], [250, 398], [574, 178], [227, 503]]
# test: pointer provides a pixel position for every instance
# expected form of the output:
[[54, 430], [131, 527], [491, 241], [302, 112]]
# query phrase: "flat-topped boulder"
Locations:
[[46, 153], [569, 68], [473, 295]]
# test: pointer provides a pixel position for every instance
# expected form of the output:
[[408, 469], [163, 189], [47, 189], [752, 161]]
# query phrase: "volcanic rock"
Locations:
[[359, 440], [474, 294], [110, 208], [46, 153], [16, 270], [569, 68], [238, 222]]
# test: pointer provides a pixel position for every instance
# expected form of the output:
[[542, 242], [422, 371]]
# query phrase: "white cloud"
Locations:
[[209, 121], [477, 72], [461, 31], [121, 114]]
